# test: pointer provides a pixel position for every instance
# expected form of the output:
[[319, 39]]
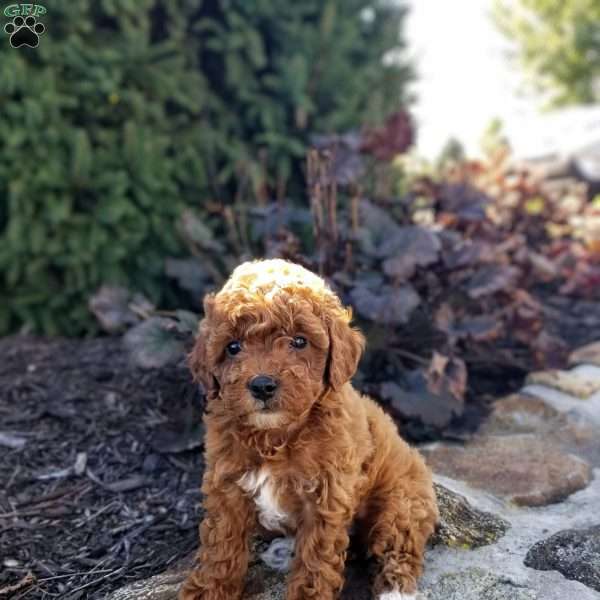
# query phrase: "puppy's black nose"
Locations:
[[262, 387]]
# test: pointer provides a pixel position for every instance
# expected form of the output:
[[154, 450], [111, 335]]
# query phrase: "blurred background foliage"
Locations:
[[131, 111], [558, 43], [147, 147]]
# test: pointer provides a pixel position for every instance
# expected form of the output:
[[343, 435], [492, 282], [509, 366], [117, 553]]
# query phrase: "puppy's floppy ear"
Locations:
[[345, 348], [198, 357]]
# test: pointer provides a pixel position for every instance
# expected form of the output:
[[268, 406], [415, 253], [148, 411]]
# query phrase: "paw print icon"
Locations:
[[24, 32]]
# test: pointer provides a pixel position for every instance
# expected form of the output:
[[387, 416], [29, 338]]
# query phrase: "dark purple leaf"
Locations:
[[190, 274], [414, 400], [491, 279], [468, 253], [410, 247], [348, 164], [376, 226], [400, 268], [420, 243], [464, 201], [391, 306]]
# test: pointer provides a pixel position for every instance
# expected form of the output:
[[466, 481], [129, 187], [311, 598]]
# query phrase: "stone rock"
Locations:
[[477, 584], [520, 413], [261, 584], [463, 526], [159, 587], [568, 382], [521, 468], [583, 441], [574, 552], [589, 354], [450, 570], [586, 410]]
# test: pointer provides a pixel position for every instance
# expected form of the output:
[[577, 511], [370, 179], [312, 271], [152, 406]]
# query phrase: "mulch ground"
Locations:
[[99, 468]]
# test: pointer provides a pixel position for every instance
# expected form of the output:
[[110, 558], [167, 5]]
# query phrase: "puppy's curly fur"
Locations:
[[310, 460]]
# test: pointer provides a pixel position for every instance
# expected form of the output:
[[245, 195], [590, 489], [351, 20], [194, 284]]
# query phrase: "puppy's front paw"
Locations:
[[396, 596], [279, 554]]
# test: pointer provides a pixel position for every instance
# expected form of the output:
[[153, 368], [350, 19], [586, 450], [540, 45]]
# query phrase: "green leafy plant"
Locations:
[[131, 111], [557, 43]]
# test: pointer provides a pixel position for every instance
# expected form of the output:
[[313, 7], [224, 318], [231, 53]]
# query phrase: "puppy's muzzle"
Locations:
[[263, 387]]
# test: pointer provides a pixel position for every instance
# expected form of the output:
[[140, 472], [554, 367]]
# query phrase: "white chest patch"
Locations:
[[396, 596], [261, 486]]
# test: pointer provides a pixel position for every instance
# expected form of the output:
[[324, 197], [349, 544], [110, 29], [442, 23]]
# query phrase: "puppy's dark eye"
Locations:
[[233, 348], [299, 342]]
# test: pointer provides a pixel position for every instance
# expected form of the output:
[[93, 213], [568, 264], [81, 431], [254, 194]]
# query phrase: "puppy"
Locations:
[[292, 448]]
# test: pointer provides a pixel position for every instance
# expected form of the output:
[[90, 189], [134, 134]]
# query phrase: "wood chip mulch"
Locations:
[[100, 466]]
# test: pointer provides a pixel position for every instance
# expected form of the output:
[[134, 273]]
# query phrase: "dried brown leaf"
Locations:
[[479, 329], [395, 137], [447, 374], [111, 306], [156, 342]]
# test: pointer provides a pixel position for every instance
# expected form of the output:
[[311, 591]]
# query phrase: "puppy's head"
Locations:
[[273, 340]]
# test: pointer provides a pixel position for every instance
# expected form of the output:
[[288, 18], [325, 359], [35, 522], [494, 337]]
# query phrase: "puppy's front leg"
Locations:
[[321, 544], [224, 552]]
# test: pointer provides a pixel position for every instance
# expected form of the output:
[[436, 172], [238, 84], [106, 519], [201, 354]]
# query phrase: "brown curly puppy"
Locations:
[[292, 447]]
